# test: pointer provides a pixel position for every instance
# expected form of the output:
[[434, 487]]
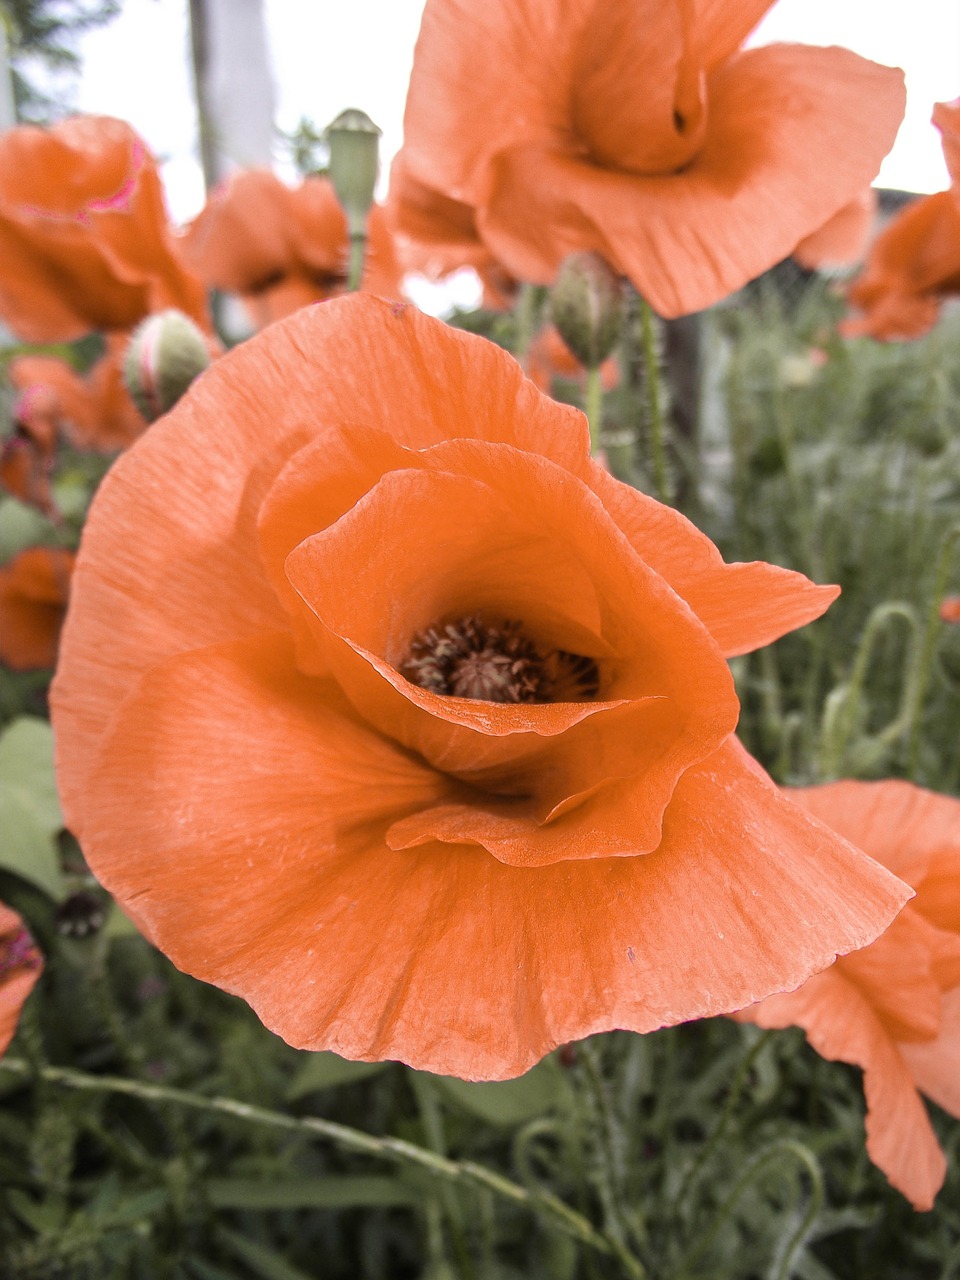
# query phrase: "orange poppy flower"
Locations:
[[20, 966], [950, 609], [27, 455], [94, 411], [34, 587], [915, 261], [280, 248], [893, 1008], [84, 238], [640, 130], [842, 240], [426, 748]]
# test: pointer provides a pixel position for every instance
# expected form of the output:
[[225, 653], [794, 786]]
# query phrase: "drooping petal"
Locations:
[[843, 239], [842, 1026], [933, 1063], [743, 606], [269, 875]]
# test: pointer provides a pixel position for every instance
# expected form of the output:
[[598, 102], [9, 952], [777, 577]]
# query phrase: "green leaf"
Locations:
[[343, 1192], [20, 527], [324, 1070], [510, 1102], [262, 1261], [30, 814]]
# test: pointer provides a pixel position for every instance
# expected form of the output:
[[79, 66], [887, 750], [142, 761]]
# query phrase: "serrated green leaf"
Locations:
[[344, 1192], [30, 813], [325, 1070], [511, 1102]]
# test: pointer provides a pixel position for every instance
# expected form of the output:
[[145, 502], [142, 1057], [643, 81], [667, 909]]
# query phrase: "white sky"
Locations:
[[327, 56]]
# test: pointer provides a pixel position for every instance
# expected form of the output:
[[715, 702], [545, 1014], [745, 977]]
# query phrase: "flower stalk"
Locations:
[[553, 1211]]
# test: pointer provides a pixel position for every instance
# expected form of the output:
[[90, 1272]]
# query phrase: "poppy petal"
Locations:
[[443, 957], [743, 606]]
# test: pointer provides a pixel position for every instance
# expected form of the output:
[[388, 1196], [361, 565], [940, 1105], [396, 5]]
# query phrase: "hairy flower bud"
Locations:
[[587, 307], [353, 139], [167, 351]]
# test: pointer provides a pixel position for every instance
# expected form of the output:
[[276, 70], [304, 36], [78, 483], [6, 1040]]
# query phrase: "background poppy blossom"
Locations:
[[85, 242], [93, 410], [281, 248], [641, 131], [894, 1007], [915, 261], [419, 722], [34, 589]]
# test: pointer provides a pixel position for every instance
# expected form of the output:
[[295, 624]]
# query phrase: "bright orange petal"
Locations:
[[946, 116], [443, 957]]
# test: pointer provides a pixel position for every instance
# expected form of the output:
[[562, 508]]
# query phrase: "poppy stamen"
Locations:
[[470, 658]]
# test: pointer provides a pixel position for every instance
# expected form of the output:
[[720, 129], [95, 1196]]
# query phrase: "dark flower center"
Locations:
[[496, 662]]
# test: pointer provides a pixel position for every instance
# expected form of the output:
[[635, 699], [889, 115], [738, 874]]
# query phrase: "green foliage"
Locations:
[[29, 808], [42, 32]]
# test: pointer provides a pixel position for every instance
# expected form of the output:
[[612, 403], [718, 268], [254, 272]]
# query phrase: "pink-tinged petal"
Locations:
[[269, 875]]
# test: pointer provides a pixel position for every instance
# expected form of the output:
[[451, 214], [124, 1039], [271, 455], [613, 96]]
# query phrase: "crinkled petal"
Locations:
[[269, 875]]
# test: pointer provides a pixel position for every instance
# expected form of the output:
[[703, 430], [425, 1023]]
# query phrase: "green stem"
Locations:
[[358, 249], [431, 1118], [925, 650], [771, 1154], [610, 1171], [651, 357], [593, 406], [733, 1097], [396, 1150]]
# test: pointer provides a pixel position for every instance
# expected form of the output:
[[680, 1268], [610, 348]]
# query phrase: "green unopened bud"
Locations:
[[167, 351], [587, 307], [354, 142]]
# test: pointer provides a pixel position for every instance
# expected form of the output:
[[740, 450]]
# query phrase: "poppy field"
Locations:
[[480, 795]]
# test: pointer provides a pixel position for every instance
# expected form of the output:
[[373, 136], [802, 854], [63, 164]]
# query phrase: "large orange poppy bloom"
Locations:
[[94, 410], [84, 237], [640, 130], [893, 1008], [915, 262], [34, 588], [384, 706], [280, 248], [20, 966]]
